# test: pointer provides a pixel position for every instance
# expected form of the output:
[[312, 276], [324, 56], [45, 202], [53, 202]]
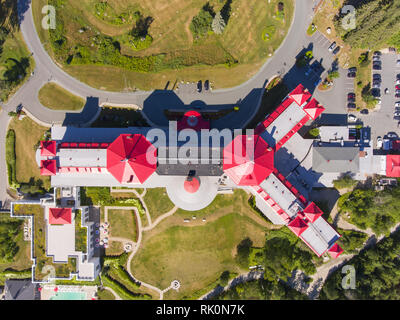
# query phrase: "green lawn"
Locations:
[[178, 55], [105, 295], [157, 202], [122, 224], [196, 256], [28, 133], [54, 97]]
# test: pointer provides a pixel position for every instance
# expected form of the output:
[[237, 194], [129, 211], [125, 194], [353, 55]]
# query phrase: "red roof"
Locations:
[[314, 109], [335, 251], [191, 185], [131, 158], [48, 148], [393, 165], [312, 212], [48, 167], [300, 95], [248, 167], [193, 120], [298, 226], [60, 215]]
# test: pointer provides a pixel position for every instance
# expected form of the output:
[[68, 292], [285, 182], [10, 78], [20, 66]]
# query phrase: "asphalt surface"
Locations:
[[248, 94]]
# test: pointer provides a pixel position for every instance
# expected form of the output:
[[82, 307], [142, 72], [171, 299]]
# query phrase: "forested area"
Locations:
[[378, 210], [9, 229], [377, 274], [377, 24]]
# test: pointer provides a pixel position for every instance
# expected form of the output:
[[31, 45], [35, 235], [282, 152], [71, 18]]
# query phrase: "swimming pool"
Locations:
[[69, 296]]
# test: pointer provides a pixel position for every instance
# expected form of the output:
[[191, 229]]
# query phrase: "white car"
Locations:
[[398, 62], [352, 118], [397, 113], [398, 81], [397, 104], [379, 143]]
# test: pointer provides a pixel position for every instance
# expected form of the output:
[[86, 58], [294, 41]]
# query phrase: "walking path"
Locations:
[[136, 245]]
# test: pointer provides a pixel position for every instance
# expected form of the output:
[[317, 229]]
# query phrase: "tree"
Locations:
[[218, 24], [201, 23]]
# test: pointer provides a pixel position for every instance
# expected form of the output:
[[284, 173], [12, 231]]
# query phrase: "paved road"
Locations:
[[151, 102]]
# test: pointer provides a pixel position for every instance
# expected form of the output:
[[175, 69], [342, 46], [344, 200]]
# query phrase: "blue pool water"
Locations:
[[69, 296]]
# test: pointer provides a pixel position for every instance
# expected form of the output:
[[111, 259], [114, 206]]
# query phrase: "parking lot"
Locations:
[[382, 119]]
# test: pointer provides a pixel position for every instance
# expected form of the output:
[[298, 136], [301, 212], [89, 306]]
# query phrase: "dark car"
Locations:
[[332, 46], [337, 49], [199, 86], [351, 75], [352, 69], [377, 66], [351, 95], [351, 105], [377, 53], [19, 108], [397, 95], [376, 76], [398, 77], [364, 111], [376, 92], [206, 85]]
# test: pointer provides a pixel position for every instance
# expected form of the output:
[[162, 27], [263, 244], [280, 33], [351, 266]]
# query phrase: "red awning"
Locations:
[[193, 120], [131, 158], [298, 226], [48, 167], [248, 167], [335, 251], [393, 165], [300, 95], [60, 215], [48, 148], [314, 109], [312, 212]]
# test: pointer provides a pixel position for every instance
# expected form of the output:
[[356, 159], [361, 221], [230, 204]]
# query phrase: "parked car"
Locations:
[[397, 104], [199, 86], [376, 58], [377, 53], [392, 135], [206, 85], [397, 113], [376, 93], [351, 95], [351, 75], [376, 76], [337, 49], [377, 65], [398, 62], [398, 87], [351, 105], [378, 101], [379, 142], [332, 46], [352, 118], [376, 84], [398, 81], [397, 95], [352, 69], [398, 76], [364, 111]]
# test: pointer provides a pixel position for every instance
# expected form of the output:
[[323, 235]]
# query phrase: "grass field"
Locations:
[[15, 62], [157, 202], [28, 133], [54, 97], [198, 253], [115, 248], [184, 58], [122, 223], [105, 295]]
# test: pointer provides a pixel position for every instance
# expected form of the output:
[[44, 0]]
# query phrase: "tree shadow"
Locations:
[[226, 11]]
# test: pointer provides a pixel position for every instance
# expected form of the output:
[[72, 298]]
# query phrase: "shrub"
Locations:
[[201, 23], [11, 158]]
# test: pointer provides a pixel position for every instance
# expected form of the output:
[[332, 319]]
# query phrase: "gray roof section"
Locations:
[[336, 159], [83, 158], [285, 122], [21, 290]]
